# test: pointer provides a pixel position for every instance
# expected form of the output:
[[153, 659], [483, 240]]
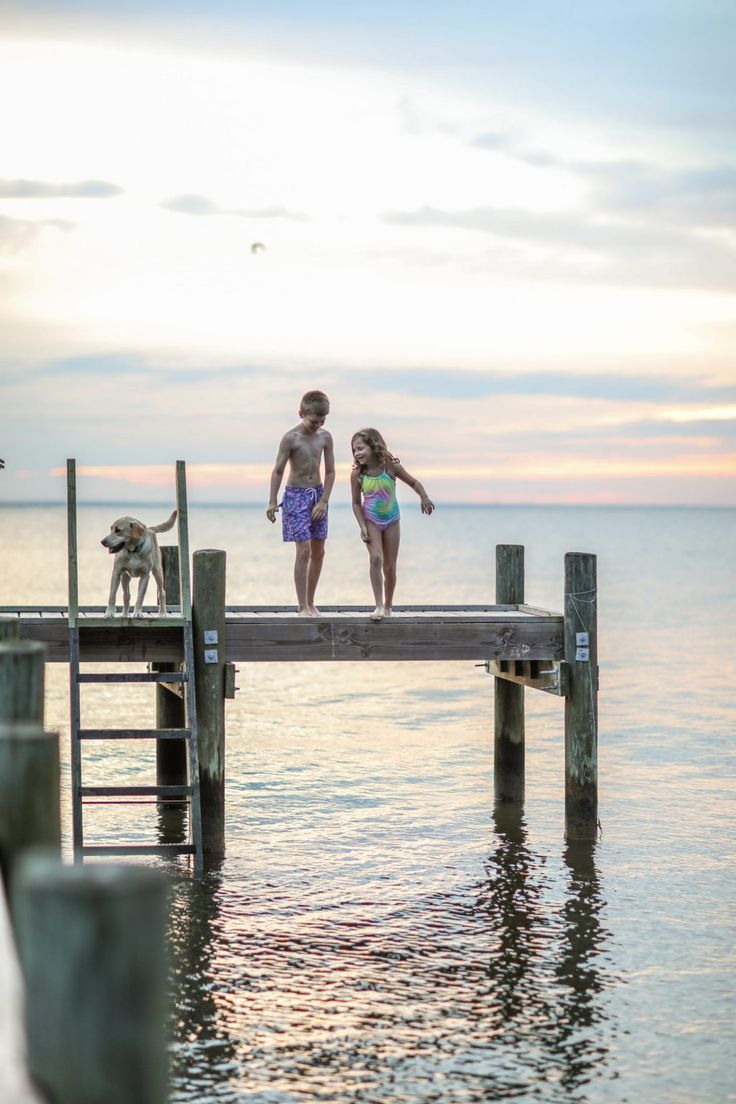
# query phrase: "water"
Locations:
[[375, 932]]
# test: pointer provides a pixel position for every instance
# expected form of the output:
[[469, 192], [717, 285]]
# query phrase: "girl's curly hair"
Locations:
[[376, 443]]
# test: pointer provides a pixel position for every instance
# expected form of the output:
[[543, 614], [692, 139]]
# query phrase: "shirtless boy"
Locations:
[[304, 505]]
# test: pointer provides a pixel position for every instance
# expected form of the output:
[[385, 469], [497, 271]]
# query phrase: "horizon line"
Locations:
[[347, 505]]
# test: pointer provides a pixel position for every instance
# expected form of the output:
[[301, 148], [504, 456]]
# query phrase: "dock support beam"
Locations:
[[581, 705], [508, 757], [208, 624]]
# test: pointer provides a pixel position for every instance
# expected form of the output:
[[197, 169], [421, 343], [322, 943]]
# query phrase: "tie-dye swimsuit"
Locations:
[[379, 499]]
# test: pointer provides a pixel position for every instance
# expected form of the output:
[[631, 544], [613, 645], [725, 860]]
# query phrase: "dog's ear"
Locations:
[[137, 530]]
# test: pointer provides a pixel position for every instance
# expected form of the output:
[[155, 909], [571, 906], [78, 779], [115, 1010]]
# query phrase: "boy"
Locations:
[[304, 505]]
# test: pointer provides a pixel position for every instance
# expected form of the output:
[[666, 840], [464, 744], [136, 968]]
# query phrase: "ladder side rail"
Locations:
[[183, 532], [195, 811], [76, 751], [71, 524]]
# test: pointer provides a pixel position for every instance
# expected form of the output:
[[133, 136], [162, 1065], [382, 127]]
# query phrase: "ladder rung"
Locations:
[[133, 733], [135, 791], [135, 676], [138, 849]]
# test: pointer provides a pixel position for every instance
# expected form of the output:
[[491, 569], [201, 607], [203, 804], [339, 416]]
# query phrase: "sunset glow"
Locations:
[[513, 283]]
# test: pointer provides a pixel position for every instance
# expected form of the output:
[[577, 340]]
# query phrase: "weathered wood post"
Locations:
[[29, 757], [29, 792], [508, 761], [171, 755], [22, 680], [91, 941], [208, 624], [581, 705], [9, 629]]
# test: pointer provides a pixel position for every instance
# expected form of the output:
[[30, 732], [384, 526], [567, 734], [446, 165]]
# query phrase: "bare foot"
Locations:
[[303, 611], [377, 614], [314, 612], [387, 611]]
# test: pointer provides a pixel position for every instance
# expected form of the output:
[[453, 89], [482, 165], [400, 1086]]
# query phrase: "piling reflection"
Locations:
[[544, 963], [512, 900], [202, 1051], [171, 822], [474, 992], [578, 967]]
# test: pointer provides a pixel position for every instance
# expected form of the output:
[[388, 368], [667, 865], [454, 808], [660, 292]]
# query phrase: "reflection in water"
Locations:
[[171, 822], [481, 992], [543, 964], [578, 970], [203, 1053]]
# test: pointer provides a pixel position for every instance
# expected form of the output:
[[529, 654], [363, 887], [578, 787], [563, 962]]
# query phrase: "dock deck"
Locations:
[[275, 633]]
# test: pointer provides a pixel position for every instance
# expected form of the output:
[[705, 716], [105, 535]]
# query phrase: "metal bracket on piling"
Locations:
[[552, 676], [177, 688], [230, 672]]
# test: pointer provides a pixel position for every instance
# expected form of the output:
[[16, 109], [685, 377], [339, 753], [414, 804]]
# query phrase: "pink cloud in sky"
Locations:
[[534, 478]]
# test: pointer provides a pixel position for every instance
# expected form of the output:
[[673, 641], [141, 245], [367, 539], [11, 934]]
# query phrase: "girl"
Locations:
[[374, 475]]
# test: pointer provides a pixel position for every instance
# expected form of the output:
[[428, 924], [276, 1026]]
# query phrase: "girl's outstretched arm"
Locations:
[[401, 473], [357, 506]]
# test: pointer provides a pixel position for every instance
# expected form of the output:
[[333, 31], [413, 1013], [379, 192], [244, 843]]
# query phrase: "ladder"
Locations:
[[180, 681]]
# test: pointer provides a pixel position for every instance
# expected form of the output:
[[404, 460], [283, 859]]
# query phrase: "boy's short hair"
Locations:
[[315, 402]]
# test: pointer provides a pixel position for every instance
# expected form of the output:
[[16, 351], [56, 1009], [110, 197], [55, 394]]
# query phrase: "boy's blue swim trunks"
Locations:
[[296, 514]]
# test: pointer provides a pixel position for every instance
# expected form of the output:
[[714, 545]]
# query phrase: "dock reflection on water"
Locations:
[[487, 991]]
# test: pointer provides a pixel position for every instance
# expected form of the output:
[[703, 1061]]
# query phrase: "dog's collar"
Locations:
[[139, 547]]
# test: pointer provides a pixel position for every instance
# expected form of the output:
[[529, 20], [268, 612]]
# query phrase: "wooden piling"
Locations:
[[581, 705], [208, 623], [22, 680], [91, 941], [508, 757], [9, 629], [29, 792], [171, 755]]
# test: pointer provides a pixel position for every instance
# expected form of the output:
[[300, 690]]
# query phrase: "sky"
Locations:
[[504, 234]]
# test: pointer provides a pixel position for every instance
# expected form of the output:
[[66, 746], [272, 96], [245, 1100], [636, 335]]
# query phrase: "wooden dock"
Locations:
[[255, 634], [522, 646]]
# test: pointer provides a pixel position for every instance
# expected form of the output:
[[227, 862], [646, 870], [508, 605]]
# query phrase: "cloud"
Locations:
[[596, 385], [531, 466], [514, 143], [135, 364], [160, 475], [704, 196], [582, 247], [193, 204], [701, 414], [41, 189], [691, 197], [17, 234], [542, 466]]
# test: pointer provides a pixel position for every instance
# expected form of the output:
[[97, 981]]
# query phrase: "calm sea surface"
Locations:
[[376, 932]]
